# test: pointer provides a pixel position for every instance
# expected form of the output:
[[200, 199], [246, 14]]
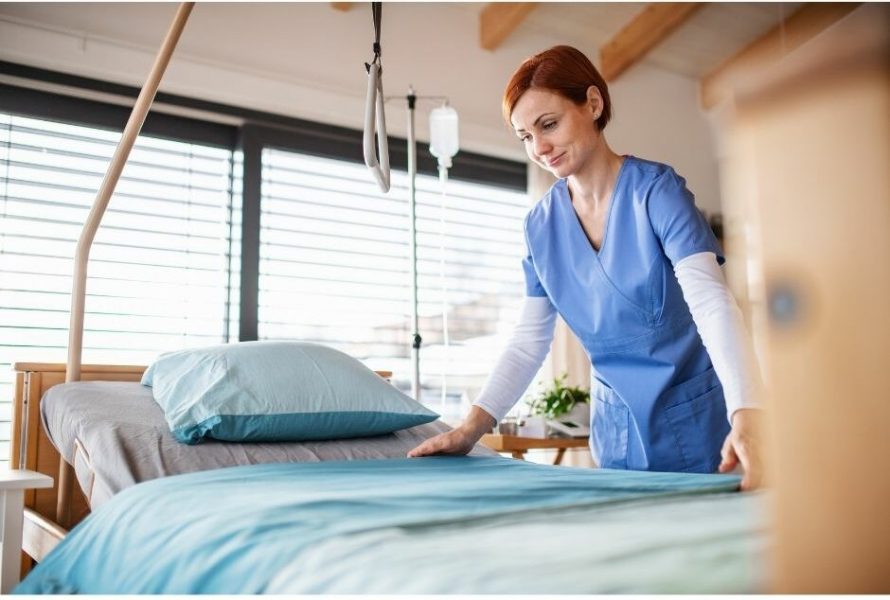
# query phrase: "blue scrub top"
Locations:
[[658, 404]]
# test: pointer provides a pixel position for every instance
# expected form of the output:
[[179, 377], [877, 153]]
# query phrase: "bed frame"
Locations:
[[50, 512]]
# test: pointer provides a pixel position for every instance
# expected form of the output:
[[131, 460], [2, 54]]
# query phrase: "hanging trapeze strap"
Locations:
[[375, 116]]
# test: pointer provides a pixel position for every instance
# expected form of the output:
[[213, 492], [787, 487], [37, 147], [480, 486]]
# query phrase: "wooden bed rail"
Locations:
[[40, 535]]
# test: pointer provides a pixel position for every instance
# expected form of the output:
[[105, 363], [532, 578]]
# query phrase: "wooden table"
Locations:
[[517, 443]]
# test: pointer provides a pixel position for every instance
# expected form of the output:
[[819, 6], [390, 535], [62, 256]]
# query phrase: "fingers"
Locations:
[[434, 445], [423, 449], [742, 453], [739, 450], [744, 442], [451, 442], [750, 464], [728, 455]]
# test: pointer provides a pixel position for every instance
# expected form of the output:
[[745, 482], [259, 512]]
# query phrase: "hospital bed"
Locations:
[[433, 525], [339, 522], [348, 516]]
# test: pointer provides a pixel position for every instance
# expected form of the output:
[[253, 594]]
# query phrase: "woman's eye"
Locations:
[[549, 125], [525, 138]]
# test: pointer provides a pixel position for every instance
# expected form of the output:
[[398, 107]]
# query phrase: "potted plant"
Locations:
[[558, 400]]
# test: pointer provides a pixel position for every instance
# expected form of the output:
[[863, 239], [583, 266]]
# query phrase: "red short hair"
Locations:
[[561, 69]]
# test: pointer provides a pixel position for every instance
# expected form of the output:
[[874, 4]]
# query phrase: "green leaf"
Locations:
[[557, 399]]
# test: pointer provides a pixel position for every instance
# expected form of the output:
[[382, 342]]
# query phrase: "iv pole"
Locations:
[[416, 340]]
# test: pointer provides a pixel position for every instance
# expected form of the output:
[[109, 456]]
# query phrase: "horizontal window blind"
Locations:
[[159, 271], [334, 269]]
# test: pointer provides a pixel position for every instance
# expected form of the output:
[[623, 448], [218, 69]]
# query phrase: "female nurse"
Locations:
[[618, 249]]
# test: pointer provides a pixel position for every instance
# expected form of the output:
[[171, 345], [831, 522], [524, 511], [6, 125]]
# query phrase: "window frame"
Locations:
[[258, 130], [55, 96], [51, 95]]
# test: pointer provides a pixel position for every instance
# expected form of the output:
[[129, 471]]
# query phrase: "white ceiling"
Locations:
[[275, 37], [432, 46]]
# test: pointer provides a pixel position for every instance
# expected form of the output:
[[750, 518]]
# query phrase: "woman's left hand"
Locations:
[[742, 445]]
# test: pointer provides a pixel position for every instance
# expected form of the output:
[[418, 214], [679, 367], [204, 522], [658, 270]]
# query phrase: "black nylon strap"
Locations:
[[377, 16]]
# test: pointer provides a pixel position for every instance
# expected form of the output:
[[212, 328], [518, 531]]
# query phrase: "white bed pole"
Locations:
[[78, 292], [412, 210]]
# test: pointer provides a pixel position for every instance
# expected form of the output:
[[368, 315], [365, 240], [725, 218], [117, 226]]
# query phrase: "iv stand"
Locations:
[[416, 340], [412, 228]]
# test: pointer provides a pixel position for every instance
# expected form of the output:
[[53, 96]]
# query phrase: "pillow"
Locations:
[[276, 392]]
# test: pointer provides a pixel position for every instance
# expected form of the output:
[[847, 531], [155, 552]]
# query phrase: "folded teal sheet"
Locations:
[[431, 525]]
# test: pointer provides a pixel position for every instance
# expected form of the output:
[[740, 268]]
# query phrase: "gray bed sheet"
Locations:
[[115, 435]]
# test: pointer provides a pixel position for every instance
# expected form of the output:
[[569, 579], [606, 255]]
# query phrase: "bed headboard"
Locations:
[[31, 448]]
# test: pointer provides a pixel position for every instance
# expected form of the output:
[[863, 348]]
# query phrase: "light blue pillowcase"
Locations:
[[275, 392]]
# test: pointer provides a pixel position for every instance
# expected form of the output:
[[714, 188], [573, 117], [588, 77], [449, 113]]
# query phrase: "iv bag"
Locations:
[[444, 141]]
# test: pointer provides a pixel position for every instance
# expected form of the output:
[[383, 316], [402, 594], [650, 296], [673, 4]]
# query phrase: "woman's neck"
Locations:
[[592, 185]]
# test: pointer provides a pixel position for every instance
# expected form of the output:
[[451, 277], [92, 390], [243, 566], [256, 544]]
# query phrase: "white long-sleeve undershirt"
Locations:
[[722, 329], [714, 311], [522, 357]]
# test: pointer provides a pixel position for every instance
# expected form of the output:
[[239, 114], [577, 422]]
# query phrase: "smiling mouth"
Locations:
[[553, 162]]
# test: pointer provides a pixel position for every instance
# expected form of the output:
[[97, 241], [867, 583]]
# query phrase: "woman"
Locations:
[[618, 249]]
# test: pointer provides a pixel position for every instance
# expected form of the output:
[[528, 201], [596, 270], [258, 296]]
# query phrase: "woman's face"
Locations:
[[558, 134]]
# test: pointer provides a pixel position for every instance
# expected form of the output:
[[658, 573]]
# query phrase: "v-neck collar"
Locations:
[[612, 199]]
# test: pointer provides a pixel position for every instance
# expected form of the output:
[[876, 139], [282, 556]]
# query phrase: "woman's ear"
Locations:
[[595, 101]]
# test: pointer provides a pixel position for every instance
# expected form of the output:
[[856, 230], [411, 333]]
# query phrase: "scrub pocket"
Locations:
[[696, 412], [611, 421]]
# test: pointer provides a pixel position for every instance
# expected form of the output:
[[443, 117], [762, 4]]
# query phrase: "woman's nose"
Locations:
[[541, 147]]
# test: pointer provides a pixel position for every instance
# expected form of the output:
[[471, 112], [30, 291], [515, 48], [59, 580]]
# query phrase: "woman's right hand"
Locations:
[[455, 441], [459, 440]]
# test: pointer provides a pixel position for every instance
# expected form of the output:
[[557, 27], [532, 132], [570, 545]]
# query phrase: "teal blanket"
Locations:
[[431, 525]]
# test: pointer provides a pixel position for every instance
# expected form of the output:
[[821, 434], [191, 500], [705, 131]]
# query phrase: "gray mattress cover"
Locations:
[[115, 435]]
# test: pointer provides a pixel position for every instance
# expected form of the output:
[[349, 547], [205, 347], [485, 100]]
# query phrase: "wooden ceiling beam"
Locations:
[[500, 19], [644, 32], [804, 24]]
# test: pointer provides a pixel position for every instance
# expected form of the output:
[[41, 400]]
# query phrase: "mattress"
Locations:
[[115, 435]]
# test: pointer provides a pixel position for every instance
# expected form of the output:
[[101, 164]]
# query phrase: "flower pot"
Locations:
[[580, 414]]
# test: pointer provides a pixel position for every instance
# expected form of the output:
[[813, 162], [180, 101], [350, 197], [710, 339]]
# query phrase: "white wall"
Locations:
[[656, 116], [305, 60]]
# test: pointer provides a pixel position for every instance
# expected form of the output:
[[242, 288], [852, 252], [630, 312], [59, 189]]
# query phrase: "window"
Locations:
[[325, 255], [334, 268], [160, 271]]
